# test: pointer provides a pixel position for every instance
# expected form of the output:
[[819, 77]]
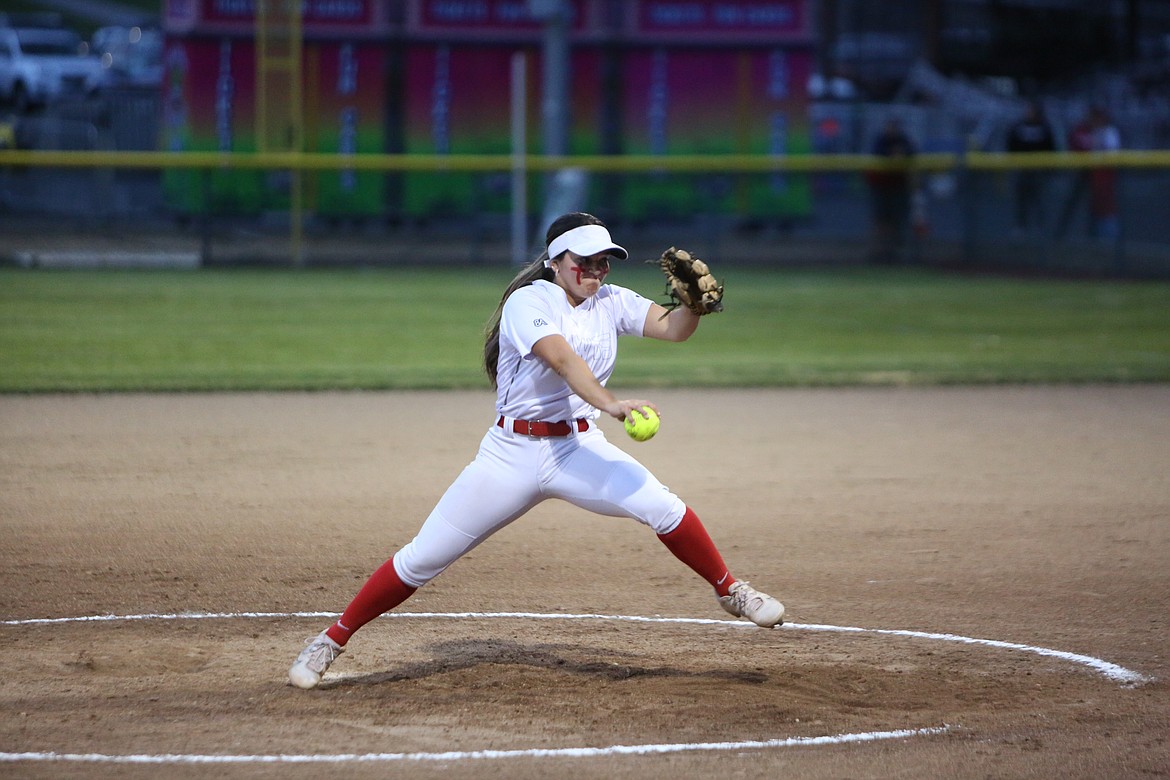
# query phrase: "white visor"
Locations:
[[585, 241]]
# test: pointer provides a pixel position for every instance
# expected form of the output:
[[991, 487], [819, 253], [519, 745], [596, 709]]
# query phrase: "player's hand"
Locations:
[[625, 409]]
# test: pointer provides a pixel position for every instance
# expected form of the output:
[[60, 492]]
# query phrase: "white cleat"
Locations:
[[319, 652], [745, 601]]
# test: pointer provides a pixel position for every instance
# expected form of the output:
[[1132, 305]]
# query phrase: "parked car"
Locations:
[[131, 55], [40, 65]]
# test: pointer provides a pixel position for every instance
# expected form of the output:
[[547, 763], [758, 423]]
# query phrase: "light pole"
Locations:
[[564, 189], [555, 73]]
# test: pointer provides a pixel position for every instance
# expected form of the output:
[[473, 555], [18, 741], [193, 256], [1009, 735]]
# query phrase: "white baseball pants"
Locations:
[[512, 473]]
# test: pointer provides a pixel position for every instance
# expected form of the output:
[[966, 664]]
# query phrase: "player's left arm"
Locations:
[[676, 325]]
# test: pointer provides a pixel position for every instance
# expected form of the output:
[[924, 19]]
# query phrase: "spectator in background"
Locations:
[[1031, 134], [1080, 139], [1103, 181], [891, 191], [7, 134]]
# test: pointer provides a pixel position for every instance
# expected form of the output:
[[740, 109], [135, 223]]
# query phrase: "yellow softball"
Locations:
[[642, 428]]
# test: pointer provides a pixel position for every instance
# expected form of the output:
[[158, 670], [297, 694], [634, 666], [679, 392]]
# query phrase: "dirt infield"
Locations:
[[1035, 518]]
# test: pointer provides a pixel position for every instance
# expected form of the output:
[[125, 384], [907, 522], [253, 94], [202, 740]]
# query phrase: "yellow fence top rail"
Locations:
[[706, 163]]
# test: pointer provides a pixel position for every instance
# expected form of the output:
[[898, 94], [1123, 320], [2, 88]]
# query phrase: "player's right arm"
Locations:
[[555, 351]]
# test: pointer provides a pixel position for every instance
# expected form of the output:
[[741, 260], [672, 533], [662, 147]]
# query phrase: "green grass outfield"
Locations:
[[415, 329]]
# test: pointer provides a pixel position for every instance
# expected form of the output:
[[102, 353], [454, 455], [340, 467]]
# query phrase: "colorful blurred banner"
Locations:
[[209, 104], [433, 77]]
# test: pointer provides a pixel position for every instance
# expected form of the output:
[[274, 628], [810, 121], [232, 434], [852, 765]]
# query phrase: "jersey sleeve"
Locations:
[[630, 310], [526, 319]]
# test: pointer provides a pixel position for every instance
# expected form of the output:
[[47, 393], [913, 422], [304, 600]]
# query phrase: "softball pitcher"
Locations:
[[550, 349]]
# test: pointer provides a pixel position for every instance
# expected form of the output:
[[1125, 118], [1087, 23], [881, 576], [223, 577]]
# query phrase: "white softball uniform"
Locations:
[[514, 472]]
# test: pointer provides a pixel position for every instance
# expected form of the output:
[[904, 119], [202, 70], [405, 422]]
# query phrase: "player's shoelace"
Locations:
[[318, 655], [746, 599]]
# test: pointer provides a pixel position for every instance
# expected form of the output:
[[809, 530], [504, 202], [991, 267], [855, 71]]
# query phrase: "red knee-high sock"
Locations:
[[691, 544], [383, 591]]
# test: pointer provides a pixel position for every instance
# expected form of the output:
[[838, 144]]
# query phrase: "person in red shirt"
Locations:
[[891, 192], [1080, 139], [1103, 181]]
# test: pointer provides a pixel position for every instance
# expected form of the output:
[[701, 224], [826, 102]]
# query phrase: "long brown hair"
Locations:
[[527, 275]]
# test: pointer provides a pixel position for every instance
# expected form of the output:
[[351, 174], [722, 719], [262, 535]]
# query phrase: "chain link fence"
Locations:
[[959, 217]]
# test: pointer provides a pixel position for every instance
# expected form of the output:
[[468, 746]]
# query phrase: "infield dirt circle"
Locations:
[[1033, 516]]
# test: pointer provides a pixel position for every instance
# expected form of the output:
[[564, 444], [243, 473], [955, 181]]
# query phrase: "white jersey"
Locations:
[[528, 388]]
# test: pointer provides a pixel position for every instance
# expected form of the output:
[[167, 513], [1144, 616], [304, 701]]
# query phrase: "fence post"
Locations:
[[967, 200], [519, 152], [205, 255], [1119, 256]]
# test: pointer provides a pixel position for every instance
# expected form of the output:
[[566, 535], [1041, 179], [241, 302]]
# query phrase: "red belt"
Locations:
[[541, 429]]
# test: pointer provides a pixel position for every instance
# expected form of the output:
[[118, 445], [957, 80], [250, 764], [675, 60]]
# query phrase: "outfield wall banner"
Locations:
[[653, 77], [486, 18], [209, 104], [722, 21], [457, 102], [353, 18], [717, 101], [345, 106], [668, 101]]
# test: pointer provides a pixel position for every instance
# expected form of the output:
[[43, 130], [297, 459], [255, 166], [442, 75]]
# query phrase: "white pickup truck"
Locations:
[[41, 65]]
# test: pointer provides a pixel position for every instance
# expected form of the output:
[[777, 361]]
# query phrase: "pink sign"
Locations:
[[484, 16], [362, 16], [774, 19]]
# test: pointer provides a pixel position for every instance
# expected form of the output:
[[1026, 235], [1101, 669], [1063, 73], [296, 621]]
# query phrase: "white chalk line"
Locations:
[[1109, 670], [465, 755], [1112, 671]]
